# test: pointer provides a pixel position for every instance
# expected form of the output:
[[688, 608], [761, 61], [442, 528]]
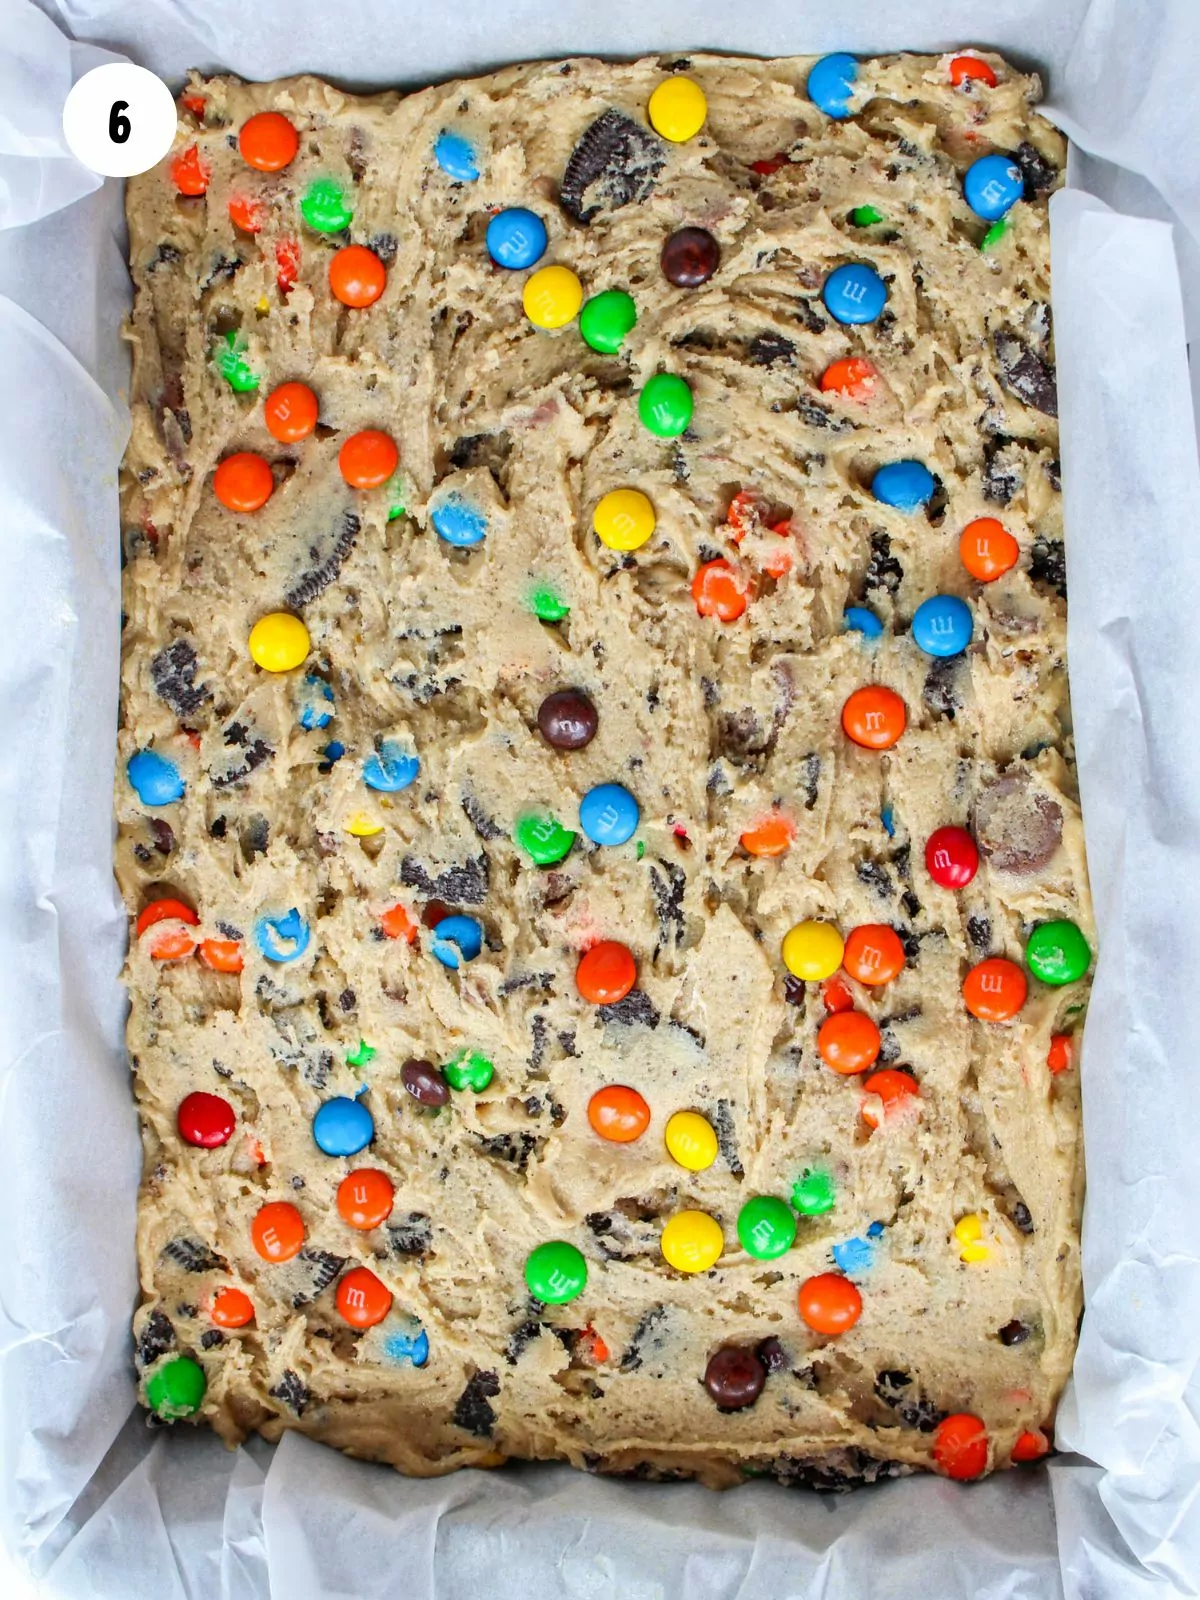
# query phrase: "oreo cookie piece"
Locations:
[[1038, 173], [323, 1268], [328, 553], [1048, 564], [173, 674], [636, 1008], [192, 1256], [1025, 374], [648, 1339], [293, 1391], [411, 1235], [156, 1338], [1017, 825], [462, 885], [615, 162], [472, 1411]]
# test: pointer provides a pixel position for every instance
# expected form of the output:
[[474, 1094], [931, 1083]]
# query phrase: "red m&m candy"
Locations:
[[205, 1120], [951, 857]]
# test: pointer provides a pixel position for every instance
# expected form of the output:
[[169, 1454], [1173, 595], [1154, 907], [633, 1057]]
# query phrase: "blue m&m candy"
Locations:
[[859, 620], [315, 703], [459, 523], [907, 485], [410, 1343], [942, 625], [854, 1257], [854, 293], [390, 768], [457, 939], [830, 82], [516, 238], [155, 779], [284, 938], [992, 186], [608, 814], [343, 1127], [456, 156]]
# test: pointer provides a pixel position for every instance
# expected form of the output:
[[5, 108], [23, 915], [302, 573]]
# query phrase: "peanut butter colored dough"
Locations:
[[708, 725]]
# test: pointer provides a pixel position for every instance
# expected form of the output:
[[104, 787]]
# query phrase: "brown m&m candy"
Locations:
[[690, 257], [424, 1082], [734, 1377], [567, 719]]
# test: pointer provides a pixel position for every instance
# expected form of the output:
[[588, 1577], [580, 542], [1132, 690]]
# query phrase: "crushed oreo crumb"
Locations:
[[156, 1338], [471, 1410], [293, 1391]]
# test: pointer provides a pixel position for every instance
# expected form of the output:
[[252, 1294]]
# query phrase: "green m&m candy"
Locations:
[[556, 1272], [865, 216], [1057, 953], [469, 1070], [665, 405], [766, 1227], [546, 605], [362, 1055], [229, 358], [324, 207], [995, 233], [606, 319], [543, 838], [813, 1193], [177, 1388]]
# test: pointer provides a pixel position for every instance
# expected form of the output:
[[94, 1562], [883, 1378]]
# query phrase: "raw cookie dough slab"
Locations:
[[710, 726]]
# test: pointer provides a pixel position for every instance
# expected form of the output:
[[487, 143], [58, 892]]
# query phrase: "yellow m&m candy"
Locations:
[[278, 642], [677, 109], [552, 297], [363, 826], [812, 951], [692, 1241], [624, 519], [690, 1140], [968, 1231]]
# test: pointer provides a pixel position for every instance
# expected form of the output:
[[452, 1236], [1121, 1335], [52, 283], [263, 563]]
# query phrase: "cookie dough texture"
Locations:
[[709, 726]]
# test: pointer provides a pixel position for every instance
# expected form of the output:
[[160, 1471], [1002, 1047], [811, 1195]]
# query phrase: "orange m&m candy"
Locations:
[[245, 213], [171, 944], [368, 459], [835, 996], [232, 1308], [618, 1113], [290, 412], [1031, 1445], [268, 141], [995, 990], [397, 924], [719, 591], [852, 375], [190, 172], [874, 717], [848, 1041], [222, 955], [829, 1303], [287, 264], [164, 911], [606, 973], [770, 837], [873, 953], [362, 1299], [357, 276], [243, 482], [987, 549], [277, 1231], [964, 67], [1061, 1053], [960, 1446], [364, 1197], [891, 1086]]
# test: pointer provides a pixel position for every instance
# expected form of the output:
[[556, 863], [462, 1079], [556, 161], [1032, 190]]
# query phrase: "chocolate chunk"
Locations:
[[1018, 827], [765, 349], [883, 570], [164, 835], [567, 719], [636, 1008], [323, 1268], [1039, 174], [726, 1132], [461, 885], [471, 1410], [329, 553], [410, 1235], [347, 1000], [173, 672], [772, 1354], [689, 257], [938, 691], [485, 826], [515, 1148], [876, 877], [217, 827], [293, 1391], [615, 162], [1025, 374], [734, 1377], [520, 1340], [211, 1337], [1014, 1332], [1048, 564], [648, 1337], [979, 932], [156, 1338], [192, 1256], [424, 1082], [793, 992], [669, 885]]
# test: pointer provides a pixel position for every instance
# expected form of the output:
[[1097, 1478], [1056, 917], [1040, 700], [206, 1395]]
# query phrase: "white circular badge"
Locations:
[[119, 120]]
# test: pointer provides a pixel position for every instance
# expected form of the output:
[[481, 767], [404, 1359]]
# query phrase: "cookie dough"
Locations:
[[306, 959]]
